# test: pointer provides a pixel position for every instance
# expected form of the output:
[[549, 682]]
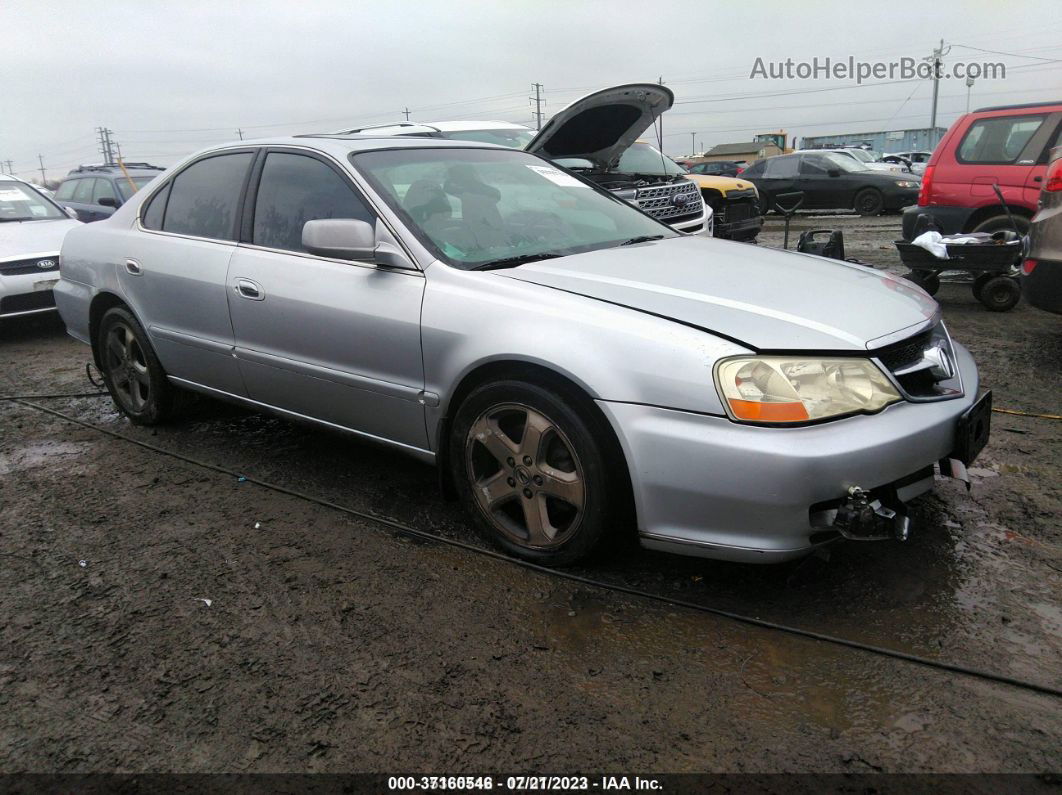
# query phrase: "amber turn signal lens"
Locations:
[[768, 412]]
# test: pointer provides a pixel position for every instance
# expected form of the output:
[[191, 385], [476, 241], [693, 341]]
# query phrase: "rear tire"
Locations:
[[869, 202], [979, 284], [1000, 293], [548, 497], [131, 371], [1000, 222]]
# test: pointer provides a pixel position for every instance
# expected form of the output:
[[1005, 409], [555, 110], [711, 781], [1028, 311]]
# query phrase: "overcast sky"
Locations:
[[173, 77]]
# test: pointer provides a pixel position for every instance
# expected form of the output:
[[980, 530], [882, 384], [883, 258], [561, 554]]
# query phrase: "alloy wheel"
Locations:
[[526, 476], [127, 367]]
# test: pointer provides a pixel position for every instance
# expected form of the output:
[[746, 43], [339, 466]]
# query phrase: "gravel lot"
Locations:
[[332, 644]]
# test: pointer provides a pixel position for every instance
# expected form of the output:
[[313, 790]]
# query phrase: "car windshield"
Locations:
[[514, 139], [128, 190], [20, 202], [641, 158], [478, 208]]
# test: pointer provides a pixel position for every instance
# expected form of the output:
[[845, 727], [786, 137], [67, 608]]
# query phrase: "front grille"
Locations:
[[659, 201], [18, 267], [921, 383], [905, 352], [26, 302], [736, 211]]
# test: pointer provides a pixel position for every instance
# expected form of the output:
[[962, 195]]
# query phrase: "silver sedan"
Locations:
[[573, 366]]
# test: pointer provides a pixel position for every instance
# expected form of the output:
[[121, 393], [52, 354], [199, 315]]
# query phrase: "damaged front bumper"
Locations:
[[706, 486]]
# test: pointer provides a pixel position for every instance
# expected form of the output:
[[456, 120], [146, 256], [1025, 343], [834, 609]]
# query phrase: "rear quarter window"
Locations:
[[999, 140], [66, 190]]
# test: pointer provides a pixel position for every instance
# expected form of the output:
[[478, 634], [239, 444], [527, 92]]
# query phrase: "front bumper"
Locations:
[[706, 486], [22, 294]]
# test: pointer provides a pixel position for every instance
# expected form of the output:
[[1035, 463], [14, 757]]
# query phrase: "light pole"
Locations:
[[969, 85], [693, 144]]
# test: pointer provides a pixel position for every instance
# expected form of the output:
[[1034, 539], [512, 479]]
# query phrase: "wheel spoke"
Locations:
[[539, 530], [496, 490], [565, 486], [128, 342], [115, 348], [535, 429], [488, 434]]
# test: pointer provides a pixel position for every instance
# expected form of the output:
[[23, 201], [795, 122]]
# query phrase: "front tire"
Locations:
[[1000, 293], [131, 371], [529, 464], [869, 202]]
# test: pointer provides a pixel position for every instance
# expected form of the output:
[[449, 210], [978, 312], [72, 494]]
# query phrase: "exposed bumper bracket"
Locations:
[[861, 518]]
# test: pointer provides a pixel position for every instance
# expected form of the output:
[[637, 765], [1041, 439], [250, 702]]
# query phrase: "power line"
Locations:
[[1012, 54]]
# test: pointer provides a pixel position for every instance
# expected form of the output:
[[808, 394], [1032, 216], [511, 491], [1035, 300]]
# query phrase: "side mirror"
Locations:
[[834, 172], [108, 201], [70, 212], [351, 239]]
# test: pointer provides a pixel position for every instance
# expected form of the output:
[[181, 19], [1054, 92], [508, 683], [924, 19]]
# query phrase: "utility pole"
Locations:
[[118, 146], [406, 111], [105, 145], [44, 180], [239, 132], [10, 168], [969, 85], [537, 99], [660, 124], [938, 53]]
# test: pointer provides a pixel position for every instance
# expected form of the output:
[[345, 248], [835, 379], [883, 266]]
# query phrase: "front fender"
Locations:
[[614, 353]]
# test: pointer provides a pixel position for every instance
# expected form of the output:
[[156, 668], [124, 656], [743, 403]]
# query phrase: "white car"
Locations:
[[32, 228], [864, 158], [597, 137]]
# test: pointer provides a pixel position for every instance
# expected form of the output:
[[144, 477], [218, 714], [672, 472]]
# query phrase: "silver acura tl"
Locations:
[[572, 365]]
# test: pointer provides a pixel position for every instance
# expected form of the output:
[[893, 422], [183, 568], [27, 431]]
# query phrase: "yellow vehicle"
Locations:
[[736, 205]]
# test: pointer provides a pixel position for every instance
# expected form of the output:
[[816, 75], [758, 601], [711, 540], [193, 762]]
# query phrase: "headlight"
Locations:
[[906, 183], [781, 389]]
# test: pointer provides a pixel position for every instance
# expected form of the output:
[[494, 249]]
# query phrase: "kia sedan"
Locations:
[[572, 365], [32, 228]]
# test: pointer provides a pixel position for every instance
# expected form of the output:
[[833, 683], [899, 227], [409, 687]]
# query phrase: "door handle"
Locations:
[[245, 288], [133, 267]]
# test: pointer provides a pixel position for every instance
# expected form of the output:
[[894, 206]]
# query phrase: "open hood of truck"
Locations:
[[602, 125]]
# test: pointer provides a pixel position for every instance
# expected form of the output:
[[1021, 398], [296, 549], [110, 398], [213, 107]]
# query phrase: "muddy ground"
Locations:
[[332, 644]]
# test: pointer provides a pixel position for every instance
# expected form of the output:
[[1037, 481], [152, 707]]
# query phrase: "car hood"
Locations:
[[765, 299], [27, 238], [602, 125]]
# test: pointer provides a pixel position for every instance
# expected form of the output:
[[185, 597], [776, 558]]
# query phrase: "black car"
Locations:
[[830, 182], [95, 192], [717, 168]]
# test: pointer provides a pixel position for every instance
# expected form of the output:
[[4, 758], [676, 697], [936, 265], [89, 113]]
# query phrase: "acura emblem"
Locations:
[[46, 264]]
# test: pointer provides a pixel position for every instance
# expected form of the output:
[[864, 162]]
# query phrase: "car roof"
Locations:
[[427, 128], [342, 144], [1019, 107]]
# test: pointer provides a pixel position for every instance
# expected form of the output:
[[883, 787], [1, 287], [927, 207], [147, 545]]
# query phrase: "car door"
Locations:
[[81, 199], [821, 191], [780, 177], [174, 266], [334, 340]]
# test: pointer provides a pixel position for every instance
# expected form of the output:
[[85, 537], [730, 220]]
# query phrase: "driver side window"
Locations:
[[295, 189]]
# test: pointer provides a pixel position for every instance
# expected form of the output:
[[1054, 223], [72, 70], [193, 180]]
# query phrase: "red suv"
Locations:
[[1007, 146]]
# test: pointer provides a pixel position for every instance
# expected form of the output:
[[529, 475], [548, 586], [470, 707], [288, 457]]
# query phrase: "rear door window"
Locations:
[[999, 140], [295, 189], [83, 191], [66, 190], [781, 168], [204, 198]]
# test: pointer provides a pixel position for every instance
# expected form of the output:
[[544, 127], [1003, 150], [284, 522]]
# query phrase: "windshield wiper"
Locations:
[[20, 220], [641, 239], [512, 262]]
